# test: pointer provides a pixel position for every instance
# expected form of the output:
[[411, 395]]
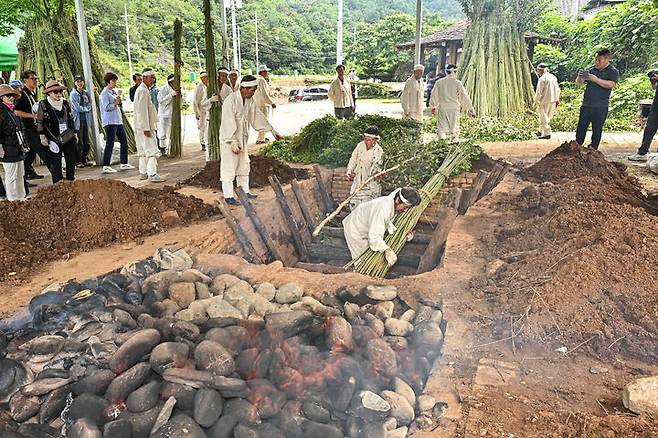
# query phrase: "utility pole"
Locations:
[[419, 25], [239, 52], [224, 34], [339, 34], [130, 59], [257, 62], [198, 55], [89, 82], [235, 37]]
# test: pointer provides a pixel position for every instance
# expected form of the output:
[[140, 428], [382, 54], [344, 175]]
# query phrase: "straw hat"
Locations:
[[53, 85], [6, 89]]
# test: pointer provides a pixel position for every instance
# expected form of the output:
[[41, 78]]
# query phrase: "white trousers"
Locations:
[[147, 151], [202, 124], [416, 116], [546, 113], [265, 110], [448, 124], [227, 186], [14, 184]]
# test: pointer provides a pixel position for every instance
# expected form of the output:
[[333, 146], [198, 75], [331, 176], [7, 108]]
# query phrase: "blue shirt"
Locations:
[[81, 105], [154, 97], [110, 112]]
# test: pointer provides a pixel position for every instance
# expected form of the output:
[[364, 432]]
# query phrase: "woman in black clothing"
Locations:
[[11, 145], [57, 132]]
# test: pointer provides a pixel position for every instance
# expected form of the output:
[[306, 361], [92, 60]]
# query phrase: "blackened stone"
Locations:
[[353, 427], [263, 430], [233, 338], [230, 387], [23, 407], [145, 321], [289, 420], [124, 319], [168, 355], [127, 382], [244, 431], [319, 430], [54, 404], [224, 427], [188, 377], [31, 430], [243, 410], [84, 428], [208, 406], [132, 351], [120, 280], [267, 399], [89, 406], [183, 394], [96, 383], [374, 429], [185, 330], [142, 422], [341, 394], [427, 337], [118, 429], [288, 324], [225, 321], [144, 398], [213, 357], [316, 412], [180, 426]]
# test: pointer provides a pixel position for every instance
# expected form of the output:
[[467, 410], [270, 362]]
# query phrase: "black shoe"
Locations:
[[544, 137], [34, 175], [203, 147], [29, 184], [251, 196], [232, 201], [538, 134]]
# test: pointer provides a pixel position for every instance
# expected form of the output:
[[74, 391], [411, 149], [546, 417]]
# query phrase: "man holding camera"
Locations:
[[599, 80], [652, 123]]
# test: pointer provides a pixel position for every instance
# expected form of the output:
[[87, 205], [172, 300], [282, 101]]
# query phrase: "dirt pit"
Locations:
[[78, 216], [261, 169], [578, 265]]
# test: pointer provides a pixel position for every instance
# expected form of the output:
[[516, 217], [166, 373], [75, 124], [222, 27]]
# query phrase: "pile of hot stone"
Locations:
[[147, 352]]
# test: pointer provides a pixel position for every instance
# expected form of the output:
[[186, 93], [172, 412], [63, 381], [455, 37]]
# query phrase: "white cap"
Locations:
[[419, 67], [204, 74], [148, 73], [263, 67]]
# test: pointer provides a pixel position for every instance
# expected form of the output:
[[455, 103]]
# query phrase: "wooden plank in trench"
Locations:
[[297, 241], [434, 252], [245, 242], [258, 224]]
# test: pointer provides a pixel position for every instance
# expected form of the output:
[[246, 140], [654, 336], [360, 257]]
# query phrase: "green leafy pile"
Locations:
[[331, 142], [518, 127]]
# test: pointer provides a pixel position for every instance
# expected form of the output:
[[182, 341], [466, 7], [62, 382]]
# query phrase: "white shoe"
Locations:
[[108, 169], [638, 157], [156, 178], [126, 167], [143, 176]]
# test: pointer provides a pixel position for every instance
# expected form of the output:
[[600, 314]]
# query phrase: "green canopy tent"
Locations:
[[9, 50]]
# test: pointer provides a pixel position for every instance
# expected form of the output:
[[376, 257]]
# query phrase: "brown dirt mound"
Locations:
[[577, 263], [261, 169], [77, 216]]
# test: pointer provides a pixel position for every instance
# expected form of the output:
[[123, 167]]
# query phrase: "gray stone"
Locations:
[[400, 432], [53, 405], [145, 321], [132, 351], [428, 338], [182, 293], [243, 410], [174, 261], [391, 423], [382, 357], [23, 407], [222, 282], [127, 382], [43, 345], [339, 334], [287, 324], [213, 357], [398, 327], [123, 318], [194, 276], [169, 355], [351, 311], [403, 388], [208, 406], [370, 407], [409, 315], [426, 403], [159, 283], [401, 410], [95, 383], [224, 427], [310, 303], [140, 423], [188, 377], [171, 307], [261, 305], [89, 406], [397, 343], [423, 313], [641, 396], [289, 293], [316, 412], [384, 310], [223, 309], [266, 398], [230, 387], [266, 290], [180, 426], [44, 386], [202, 290], [381, 293], [319, 430], [118, 428], [84, 428], [375, 324], [144, 398], [184, 330], [341, 394], [187, 315], [232, 338], [374, 429], [437, 316], [164, 415]]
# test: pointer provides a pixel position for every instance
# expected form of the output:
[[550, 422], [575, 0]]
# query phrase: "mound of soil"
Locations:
[[261, 169], [578, 263], [85, 214]]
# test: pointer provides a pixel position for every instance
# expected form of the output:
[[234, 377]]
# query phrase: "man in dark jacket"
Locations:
[[26, 106], [11, 148], [652, 123]]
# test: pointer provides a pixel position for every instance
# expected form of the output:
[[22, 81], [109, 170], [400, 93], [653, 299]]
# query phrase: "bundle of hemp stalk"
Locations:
[[373, 263]]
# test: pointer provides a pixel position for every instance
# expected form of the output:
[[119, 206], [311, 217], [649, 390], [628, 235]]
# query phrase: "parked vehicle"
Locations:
[[306, 94]]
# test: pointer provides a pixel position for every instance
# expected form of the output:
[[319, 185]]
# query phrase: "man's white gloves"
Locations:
[[390, 256]]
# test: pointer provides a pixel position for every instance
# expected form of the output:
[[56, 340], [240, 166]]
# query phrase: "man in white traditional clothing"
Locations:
[[233, 79], [145, 126], [412, 95], [366, 225], [200, 112], [547, 98], [165, 110], [448, 99], [238, 113], [340, 92], [366, 161], [223, 91], [263, 98]]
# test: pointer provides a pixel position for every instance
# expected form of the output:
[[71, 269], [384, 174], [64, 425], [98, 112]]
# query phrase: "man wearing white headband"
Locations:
[[165, 110], [447, 100], [366, 225], [200, 112], [412, 95], [234, 79], [367, 160], [223, 91], [238, 113], [145, 126], [263, 98]]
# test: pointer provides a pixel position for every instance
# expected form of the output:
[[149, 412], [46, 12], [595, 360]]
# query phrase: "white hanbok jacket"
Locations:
[[548, 89], [145, 114], [412, 98], [237, 116], [365, 163], [341, 93], [449, 94], [262, 95], [166, 101], [200, 94], [365, 226]]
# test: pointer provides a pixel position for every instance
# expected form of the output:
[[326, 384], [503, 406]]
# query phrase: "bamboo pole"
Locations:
[[176, 149], [215, 117]]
